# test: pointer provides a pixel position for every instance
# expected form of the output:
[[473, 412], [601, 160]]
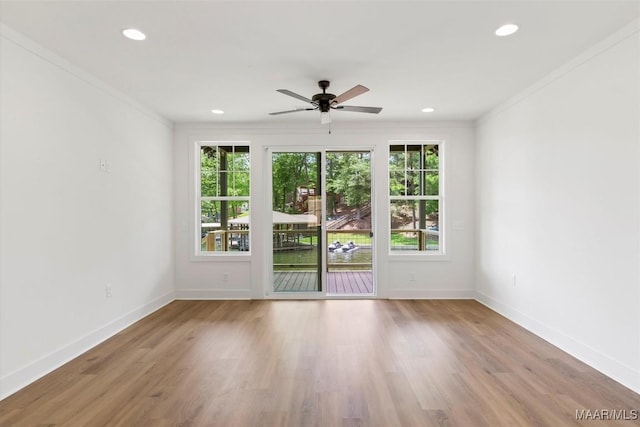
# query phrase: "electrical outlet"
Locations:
[[108, 290], [412, 277], [105, 166], [513, 280], [225, 277]]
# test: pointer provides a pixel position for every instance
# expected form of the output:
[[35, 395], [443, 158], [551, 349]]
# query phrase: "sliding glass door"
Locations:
[[328, 251], [348, 226], [296, 202]]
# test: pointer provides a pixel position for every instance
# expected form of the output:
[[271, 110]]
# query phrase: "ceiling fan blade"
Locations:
[[351, 93], [295, 95], [291, 111], [373, 110]]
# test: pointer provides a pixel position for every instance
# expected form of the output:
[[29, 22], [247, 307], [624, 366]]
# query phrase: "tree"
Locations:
[[349, 174], [224, 171], [289, 172]]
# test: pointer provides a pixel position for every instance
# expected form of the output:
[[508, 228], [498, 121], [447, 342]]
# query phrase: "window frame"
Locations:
[[417, 255], [197, 254]]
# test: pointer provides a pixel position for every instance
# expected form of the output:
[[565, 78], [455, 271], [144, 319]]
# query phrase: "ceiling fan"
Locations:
[[327, 101]]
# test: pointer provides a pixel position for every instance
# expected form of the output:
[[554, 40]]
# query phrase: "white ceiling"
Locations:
[[233, 55]]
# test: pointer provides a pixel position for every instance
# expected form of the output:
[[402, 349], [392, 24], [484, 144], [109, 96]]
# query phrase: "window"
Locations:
[[415, 195], [223, 193]]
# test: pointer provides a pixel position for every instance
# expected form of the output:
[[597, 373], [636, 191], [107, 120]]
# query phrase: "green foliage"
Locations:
[[208, 173], [349, 175], [290, 171], [398, 239], [224, 171], [413, 170], [211, 210]]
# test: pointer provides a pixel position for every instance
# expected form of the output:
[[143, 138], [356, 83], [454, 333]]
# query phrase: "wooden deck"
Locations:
[[295, 281], [339, 282]]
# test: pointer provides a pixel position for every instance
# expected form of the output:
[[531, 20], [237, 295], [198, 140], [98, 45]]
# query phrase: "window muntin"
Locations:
[[415, 193], [223, 198]]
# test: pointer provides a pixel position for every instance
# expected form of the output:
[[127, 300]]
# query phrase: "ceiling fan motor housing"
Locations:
[[323, 99]]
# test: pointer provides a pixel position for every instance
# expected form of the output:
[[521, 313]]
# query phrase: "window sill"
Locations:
[[221, 257], [419, 257]]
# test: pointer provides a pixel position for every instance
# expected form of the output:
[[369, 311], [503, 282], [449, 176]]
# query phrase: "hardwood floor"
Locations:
[[320, 363]]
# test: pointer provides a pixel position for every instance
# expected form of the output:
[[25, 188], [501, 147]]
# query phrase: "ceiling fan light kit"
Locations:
[[324, 102], [325, 118]]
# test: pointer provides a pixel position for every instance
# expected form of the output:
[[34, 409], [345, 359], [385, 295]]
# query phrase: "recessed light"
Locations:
[[506, 30], [133, 34], [428, 110], [217, 111]]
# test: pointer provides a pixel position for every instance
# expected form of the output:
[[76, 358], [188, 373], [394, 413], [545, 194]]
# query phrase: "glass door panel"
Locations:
[[297, 221], [349, 226]]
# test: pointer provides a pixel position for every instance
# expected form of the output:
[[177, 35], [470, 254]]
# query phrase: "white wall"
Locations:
[[450, 278], [66, 228], [557, 204]]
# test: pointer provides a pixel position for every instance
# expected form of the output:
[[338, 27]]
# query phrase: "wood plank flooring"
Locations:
[[338, 282], [350, 282], [320, 363], [295, 281]]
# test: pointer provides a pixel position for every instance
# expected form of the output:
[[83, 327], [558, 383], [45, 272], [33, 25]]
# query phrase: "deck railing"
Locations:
[[224, 240], [414, 238], [361, 237], [303, 240]]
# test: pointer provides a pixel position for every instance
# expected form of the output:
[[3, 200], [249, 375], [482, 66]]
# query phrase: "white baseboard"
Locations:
[[24, 376], [431, 294], [221, 294], [610, 367]]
